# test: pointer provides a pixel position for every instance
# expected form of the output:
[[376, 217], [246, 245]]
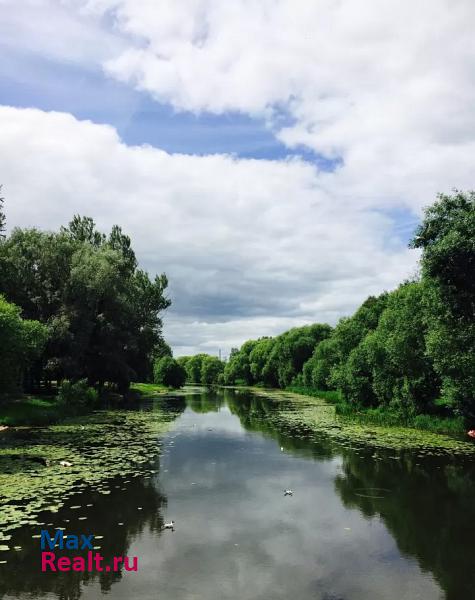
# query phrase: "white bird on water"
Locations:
[[288, 493], [170, 525]]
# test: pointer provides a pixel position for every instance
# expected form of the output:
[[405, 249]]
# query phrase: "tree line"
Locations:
[[411, 350], [202, 369], [74, 305]]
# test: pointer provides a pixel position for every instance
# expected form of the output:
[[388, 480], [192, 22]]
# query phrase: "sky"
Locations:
[[272, 157]]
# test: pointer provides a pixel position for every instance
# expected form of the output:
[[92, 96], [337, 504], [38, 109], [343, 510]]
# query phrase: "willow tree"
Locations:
[[447, 239]]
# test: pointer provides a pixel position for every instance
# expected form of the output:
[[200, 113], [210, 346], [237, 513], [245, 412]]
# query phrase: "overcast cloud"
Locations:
[[384, 91]]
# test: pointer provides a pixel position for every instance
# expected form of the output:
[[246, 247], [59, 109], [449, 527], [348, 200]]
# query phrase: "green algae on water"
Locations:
[[100, 445], [315, 416]]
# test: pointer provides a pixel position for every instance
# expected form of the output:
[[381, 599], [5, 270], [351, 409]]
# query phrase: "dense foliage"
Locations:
[[101, 311], [169, 372], [202, 369], [2, 216], [275, 361], [211, 370], [77, 395], [410, 351], [447, 238], [21, 343], [75, 306]]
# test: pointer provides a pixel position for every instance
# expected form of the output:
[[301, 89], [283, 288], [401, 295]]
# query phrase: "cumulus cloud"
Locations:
[[251, 247], [385, 89], [50, 29]]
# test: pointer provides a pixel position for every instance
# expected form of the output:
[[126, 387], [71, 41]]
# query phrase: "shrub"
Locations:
[[169, 372], [77, 395]]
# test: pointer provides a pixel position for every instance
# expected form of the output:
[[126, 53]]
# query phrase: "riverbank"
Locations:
[[385, 416], [319, 416], [31, 410], [41, 410]]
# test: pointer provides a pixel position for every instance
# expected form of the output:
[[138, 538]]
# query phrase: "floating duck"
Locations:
[[288, 493], [65, 463], [170, 525], [471, 433]]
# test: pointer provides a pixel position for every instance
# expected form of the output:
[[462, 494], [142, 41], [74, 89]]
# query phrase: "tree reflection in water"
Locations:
[[24, 575], [427, 502]]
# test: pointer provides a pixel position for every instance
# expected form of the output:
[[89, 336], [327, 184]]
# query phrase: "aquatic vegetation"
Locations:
[[154, 390], [316, 416], [103, 444]]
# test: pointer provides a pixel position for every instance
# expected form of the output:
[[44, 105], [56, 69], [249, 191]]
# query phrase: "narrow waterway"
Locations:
[[361, 524]]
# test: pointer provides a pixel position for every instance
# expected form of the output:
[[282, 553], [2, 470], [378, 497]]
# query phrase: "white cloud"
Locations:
[[254, 246], [251, 247], [386, 86], [50, 29]]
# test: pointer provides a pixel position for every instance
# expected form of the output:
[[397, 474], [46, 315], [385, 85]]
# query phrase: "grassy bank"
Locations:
[[149, 389], [31, 410], [385, 416], [47, 410]]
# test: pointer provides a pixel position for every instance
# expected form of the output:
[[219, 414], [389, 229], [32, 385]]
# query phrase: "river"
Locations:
[[362, 524]]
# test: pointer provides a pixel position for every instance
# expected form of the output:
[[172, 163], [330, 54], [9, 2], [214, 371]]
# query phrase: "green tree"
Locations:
[[292, 349], [402, 373], [2, 216], [183, 361], [169, 372], [318, 369], [211, 369], [21, 343], [259, 361], [161, 349], [193, 368], [348, 334], [102, 312], [447, 239], [238, 367]]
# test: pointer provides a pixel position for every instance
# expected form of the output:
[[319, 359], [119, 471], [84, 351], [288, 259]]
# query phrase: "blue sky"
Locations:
[[275, 177], [32, 81]]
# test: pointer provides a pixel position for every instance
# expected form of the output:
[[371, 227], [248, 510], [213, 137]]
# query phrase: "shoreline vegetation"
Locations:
[[40, 412], [319, 416], [44, 410], [384, 417]]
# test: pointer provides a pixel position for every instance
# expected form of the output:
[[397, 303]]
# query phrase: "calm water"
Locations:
[[361, 525]]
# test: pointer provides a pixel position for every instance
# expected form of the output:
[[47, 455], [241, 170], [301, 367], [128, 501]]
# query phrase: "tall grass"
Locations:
[[332, 396], [31, 410]]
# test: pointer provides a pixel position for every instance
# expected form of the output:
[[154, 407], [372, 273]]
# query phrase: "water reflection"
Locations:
[[255, 414], [205, 402], [428, 506], [103, 514], [425, 501], [362, 524]]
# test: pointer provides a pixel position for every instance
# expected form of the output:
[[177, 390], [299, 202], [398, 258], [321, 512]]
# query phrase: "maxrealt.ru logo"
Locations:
[[92, 561]]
